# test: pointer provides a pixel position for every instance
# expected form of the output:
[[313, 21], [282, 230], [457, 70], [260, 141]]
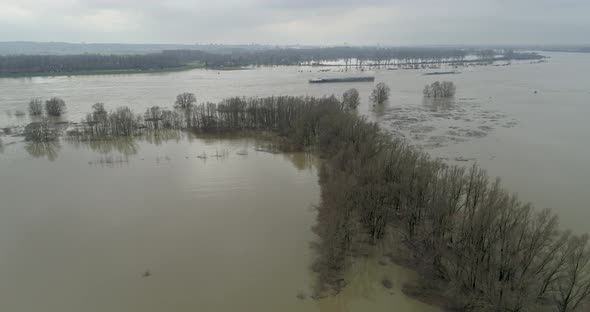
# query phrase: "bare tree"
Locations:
[[350, 99], [439, 89], [36, 107], [574, 284], [55, 106], [153, 116], [185, 102], [380, 93]]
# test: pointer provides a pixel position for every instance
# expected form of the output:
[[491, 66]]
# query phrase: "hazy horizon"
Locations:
[[306, 22]]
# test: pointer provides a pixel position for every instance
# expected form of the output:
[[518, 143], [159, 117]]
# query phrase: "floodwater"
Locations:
[[147, 225], [80, 224], [536, 142]]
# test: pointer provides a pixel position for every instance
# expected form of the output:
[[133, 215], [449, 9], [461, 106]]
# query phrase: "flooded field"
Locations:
[[152, 225], [147, 225]]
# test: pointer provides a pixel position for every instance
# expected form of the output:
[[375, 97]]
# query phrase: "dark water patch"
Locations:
[[49, 150]]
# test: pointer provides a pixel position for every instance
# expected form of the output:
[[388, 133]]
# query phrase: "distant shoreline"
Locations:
[[101, 72], [118, 71]]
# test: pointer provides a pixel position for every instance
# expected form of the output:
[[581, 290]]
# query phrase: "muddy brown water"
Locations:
[[146, 225]]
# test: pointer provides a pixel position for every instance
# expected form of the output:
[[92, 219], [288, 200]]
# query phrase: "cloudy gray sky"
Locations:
[[328, 22]]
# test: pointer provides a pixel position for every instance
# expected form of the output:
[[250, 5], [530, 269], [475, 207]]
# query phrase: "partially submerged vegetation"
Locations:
[[351, 99], [172, 60], [36, 107], [439, 89], [380, 93], [490, 251], [41, 131], [55, 107]]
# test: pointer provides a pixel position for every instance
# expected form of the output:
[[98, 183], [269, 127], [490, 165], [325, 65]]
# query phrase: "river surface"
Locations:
[[147, 225], [80, 224], [536, 142]]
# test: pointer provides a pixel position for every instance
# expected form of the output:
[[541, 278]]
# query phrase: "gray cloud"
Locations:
[[328, 22]]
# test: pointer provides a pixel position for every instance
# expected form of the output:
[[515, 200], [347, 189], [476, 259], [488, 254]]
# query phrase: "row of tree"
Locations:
[[30, 64], [230, 114], [494, 252], [19, 64]]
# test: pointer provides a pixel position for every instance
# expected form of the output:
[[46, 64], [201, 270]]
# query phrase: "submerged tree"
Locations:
[[49, 149], [36, 107], [440, 89], [153, 116], [41, 131], [55, 106], [380, 93], [350, 99], [185, 102]]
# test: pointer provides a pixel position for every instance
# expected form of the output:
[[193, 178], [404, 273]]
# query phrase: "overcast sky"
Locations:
[[326, 22]]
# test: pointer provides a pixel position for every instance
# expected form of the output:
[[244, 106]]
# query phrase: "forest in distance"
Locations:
[[167, 60], [482, 247]]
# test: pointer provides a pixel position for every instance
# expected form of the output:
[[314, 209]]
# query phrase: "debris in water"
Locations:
[[147, 273]]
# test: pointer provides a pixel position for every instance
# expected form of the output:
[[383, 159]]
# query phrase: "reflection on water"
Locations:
[[379, 110], [231, 233], [110, 161], [158, 137], [302, 161], [43, 149], [123, 145]]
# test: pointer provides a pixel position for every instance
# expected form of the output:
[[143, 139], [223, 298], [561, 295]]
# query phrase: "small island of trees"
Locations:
[[380, 94], [439, 89]]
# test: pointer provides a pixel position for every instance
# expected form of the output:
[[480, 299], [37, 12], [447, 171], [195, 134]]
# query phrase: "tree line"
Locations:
[[30, 64], [170, 59], [491, 251]]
